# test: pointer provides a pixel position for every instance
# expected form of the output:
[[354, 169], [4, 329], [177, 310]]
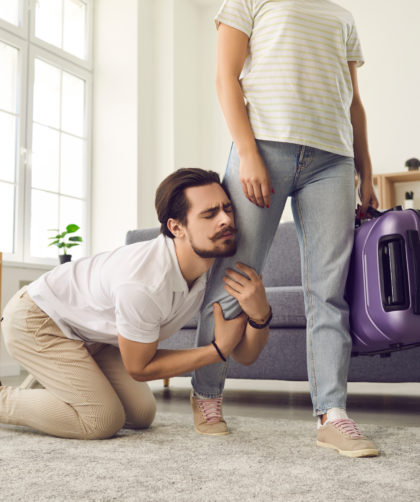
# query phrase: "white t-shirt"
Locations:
[[296, 81], [136, 290]]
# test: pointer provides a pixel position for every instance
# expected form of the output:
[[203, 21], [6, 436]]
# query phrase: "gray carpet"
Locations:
[[264, 460]]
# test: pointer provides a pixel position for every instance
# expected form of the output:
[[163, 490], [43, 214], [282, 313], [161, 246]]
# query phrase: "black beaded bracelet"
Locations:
[[218, 350], [261, 326]]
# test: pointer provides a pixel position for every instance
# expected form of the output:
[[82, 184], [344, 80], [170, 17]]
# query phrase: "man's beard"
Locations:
[[218, 252]]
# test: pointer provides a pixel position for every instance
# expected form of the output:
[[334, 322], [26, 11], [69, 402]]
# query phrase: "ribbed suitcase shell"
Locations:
[[383, 288]]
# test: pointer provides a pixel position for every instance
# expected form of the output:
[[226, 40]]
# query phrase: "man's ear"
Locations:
[[176, 228]]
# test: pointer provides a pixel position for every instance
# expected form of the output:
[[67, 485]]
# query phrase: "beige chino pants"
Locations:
[[87, 392]]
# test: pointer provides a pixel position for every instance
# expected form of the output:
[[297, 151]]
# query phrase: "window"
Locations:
[[45, 98]]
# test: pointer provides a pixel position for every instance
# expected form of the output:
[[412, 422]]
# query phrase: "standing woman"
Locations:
[[287, 85]]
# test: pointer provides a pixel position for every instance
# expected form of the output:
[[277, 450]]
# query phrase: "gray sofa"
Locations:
[[284, 357]]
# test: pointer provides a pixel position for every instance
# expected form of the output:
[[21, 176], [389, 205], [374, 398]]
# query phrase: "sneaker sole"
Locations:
[[212, 433], [350, 453]]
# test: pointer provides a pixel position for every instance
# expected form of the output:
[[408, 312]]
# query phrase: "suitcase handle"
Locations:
[[393, 273], [413, 241], [371, 213]]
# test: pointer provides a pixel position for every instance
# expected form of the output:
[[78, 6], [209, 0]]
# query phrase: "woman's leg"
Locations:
[[136, 397], [256, 229], [323, 206], [77, 400]]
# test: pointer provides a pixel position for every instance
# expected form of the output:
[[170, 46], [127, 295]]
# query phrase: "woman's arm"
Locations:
[[362, 159], [232, 49]]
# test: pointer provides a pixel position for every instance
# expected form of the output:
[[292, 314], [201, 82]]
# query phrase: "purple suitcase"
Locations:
[[383, 288]]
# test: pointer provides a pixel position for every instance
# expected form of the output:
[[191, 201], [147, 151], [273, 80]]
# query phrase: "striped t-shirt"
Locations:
[[296, 81]]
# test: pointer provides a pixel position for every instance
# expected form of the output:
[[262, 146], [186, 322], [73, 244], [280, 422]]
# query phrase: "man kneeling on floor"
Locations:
[[88, 331]]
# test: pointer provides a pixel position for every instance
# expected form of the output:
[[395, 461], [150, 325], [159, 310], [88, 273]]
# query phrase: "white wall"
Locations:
[[115, 122], [155, 104], [186, 82], [170, 47], [390, 79], [215, 137], [173, 118]]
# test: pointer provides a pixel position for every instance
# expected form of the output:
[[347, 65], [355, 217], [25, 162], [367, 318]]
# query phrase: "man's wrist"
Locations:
[[219, 351], [261, 323], [262, 319]]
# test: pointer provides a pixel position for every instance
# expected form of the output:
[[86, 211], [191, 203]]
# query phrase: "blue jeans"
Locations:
[[322, 188]]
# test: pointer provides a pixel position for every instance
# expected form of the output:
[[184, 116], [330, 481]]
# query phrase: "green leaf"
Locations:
[[52, 243], [72, 245], [76, 238], [61, 245], [72, 228]]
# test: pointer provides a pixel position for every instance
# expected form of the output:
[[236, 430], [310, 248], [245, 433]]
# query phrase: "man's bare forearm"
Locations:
[[251, 345], [170, 363]]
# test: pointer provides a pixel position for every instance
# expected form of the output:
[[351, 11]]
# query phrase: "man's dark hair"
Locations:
[[171, 202]]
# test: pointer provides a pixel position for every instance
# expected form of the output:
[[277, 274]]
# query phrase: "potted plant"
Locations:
[[63, 242], [413, 164]]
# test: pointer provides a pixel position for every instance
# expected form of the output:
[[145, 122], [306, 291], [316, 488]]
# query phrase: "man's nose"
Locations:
[[226, 218]]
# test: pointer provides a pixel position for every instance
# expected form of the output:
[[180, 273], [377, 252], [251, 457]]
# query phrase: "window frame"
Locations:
[[31, 47], [61, 53], [39, 53], [21, 29], [19, 209]]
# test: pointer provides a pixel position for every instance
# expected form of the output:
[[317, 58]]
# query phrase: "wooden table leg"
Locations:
[[28, 383]]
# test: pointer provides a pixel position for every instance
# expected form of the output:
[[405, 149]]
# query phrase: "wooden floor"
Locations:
[[389, 404]]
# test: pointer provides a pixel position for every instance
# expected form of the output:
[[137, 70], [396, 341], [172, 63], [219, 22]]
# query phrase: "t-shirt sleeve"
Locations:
[[238, 14], [354, 49], [138, 316]]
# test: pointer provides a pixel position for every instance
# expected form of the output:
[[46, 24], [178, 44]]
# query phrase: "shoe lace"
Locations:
[[211, 409], [348, 426]]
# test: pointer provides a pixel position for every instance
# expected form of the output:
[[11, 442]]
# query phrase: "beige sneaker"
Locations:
[[208, 417], [343, 435]]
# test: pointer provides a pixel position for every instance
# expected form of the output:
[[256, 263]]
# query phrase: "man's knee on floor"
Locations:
[[142, 416], [104, 423]]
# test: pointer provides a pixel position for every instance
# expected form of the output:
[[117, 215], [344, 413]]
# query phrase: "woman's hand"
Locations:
[[255, 180], [367, 196], [249, 291]]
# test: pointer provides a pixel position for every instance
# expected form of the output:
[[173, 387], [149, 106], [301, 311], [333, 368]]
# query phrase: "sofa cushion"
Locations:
[[282, 267], [288, 307]]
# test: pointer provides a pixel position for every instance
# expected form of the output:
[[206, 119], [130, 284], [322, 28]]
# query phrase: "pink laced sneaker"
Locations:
[[211, 409], [343, 435], [208, 417], [349, 427]]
